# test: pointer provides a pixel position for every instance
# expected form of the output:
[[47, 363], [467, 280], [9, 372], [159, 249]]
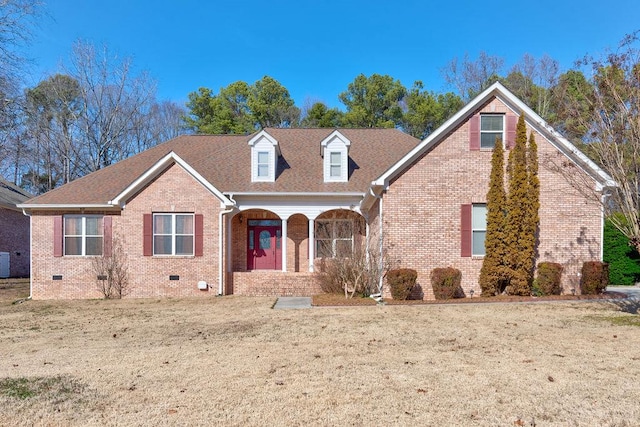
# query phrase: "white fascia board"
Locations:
[[557, 140], [264, 134], [156, 169], [60, 206], [334, 135], [499, 91], [295, 194]]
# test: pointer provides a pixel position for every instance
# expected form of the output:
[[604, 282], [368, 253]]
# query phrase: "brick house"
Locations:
[[254, 215], [14, 232]]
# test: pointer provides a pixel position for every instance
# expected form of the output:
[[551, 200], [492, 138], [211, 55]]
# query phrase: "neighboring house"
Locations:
[[14, 232], [253, 215]]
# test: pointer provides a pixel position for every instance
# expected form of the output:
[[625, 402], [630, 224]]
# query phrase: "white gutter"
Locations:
[[220, 247], [299, 194], [24, 212], [67, 206]]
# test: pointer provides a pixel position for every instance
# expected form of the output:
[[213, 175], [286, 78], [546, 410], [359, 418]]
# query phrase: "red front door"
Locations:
[[264, 247]]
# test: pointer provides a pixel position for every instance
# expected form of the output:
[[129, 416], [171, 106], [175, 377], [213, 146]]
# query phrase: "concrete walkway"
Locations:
[[288, 303], [631, 291], [291, 303]]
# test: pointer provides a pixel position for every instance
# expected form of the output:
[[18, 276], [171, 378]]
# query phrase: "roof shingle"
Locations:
[[225, 161]]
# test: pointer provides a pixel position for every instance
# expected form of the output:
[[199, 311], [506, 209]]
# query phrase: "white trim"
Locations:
[[221, 249], [534, 120], [158, 168], [283, 244], [232, 194], [502, 132], [83, 234], [173, 234], [65, 206], [263, 134], [312, 244]]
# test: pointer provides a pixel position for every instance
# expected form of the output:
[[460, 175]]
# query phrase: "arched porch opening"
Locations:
[[338, 233], [256, 240]]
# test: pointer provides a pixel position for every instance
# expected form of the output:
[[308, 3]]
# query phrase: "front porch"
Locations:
[[268, 254]]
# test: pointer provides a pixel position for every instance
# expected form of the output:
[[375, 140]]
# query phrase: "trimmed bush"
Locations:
[[549, 280], [595, 277], [445, 283], [401, 281]]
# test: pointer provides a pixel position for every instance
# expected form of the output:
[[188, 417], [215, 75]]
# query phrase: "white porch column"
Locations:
[[229, 243], [312, 244], [284, 245]]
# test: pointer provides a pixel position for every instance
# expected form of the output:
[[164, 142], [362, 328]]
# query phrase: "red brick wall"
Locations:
[[173, 191], [14, 238], [421, 211]]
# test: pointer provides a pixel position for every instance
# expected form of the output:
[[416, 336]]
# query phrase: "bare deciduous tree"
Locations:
[[115, 105], [112, 272]]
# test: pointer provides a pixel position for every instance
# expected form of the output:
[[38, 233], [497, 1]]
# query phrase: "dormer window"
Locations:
[[335, 165], [263, 164], [335, 153], [264, 157]]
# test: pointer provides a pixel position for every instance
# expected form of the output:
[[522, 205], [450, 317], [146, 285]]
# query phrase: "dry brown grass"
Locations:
[[236, 361]]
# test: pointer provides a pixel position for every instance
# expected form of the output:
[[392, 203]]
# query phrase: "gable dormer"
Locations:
[[335, 155], [264, 157]]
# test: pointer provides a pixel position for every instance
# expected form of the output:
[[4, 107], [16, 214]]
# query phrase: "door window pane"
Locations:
[[265, 240]]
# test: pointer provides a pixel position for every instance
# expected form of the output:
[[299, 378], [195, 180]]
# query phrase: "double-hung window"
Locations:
[[478, 228], [335, 165], [491, 129], [83, 235], [334, 238], [263, 164], [173, 234]]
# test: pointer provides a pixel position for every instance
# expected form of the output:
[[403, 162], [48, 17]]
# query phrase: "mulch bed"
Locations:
[[333, 300]]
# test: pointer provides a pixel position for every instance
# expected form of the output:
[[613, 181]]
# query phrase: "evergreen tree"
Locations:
[[530, 239], [518, 210], [493, 273]]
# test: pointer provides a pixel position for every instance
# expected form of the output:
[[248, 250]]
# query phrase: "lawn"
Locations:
[[236, 361]]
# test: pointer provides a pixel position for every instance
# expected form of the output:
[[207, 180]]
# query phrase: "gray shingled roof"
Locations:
[[11, 195], [225, 162]]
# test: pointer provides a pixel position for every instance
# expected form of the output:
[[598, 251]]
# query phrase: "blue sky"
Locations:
[[316, 48]]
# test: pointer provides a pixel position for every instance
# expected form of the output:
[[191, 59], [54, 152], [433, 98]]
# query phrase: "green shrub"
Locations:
[[401, 281], [445, 283], [623, 259], [549, 280], [595, 277]]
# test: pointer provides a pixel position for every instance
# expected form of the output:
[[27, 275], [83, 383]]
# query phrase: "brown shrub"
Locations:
[[401, 281], [595, 277], [549, 280], [445, 283]]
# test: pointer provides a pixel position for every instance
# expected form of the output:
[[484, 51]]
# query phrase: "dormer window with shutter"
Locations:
[[264, 157], [335, 154]]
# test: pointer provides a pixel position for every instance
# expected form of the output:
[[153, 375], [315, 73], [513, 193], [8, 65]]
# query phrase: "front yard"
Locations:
[[236, 361]]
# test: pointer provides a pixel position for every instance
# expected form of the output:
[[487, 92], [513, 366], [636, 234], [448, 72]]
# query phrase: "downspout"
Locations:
[[24, 212], [381, 239], [220, 246]]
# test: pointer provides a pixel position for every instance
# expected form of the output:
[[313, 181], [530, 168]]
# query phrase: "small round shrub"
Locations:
[[445, 283], [401, 281], [549, 280], [595, 277]]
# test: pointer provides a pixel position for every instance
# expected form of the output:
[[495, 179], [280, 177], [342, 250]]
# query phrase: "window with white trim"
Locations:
[[491, 129], [334, 238], [173, 234], [83, 235], [263, 164], [335, 164], [478, 228]]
